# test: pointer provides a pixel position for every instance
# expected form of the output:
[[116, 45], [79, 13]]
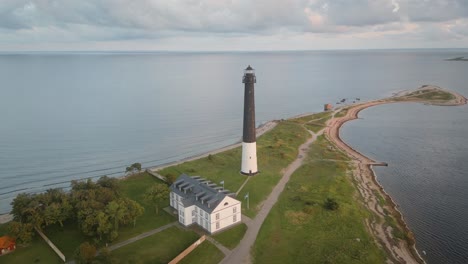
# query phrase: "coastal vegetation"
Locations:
[[134, 168], [155, 194], [158, 248], [427, 94], [206, 253], [319, 217], [117, 203], [300, 224], [275, 150], [314, 122], [231, 237]]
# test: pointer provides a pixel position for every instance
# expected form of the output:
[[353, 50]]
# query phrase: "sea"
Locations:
[[76, 115]]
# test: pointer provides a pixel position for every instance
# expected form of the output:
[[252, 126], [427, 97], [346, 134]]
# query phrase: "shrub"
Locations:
[[331, 204]]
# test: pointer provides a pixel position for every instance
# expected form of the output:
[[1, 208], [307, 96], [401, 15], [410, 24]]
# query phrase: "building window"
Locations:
[[217, 225], [217, 216], [193, 212], [234, 209], [196, 209], [234, 218]]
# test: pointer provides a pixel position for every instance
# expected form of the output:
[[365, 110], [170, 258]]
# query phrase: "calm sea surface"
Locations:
[[79, 115]]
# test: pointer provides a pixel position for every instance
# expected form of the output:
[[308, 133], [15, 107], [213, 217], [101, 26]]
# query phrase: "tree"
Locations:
[[331, 204], [19, 206], [133, 211], [22, 232], [105, 256], [108, 182], [155, 194], [86, 253], [116, 213], [104, 225], [135, 167]]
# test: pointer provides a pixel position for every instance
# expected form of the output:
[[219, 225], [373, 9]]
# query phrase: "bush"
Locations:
[[331, 204], [85, 253]]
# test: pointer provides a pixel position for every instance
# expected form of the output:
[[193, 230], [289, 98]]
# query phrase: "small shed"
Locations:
[[327, 107], [7, 244]]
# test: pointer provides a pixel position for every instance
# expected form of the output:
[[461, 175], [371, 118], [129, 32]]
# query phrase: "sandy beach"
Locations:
[[399, 251]]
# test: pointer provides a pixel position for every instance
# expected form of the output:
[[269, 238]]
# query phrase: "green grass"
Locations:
[[314, 122], [134, 187], [36, 252], [299, 226], [432, 95], [224, 166], [206, 253], [341, 113], [318, 116], [67, 239], [314, 127], [231, 238], [275, 150], [158, 248]]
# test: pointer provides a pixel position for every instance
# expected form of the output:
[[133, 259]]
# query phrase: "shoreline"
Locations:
[[400, 250]]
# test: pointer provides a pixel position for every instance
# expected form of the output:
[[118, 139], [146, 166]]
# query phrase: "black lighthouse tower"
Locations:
[[249, 141]]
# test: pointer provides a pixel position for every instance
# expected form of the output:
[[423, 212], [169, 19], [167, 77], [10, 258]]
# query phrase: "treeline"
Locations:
[[98, 208]]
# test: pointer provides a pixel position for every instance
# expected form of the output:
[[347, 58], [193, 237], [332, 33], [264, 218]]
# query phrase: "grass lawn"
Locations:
[[36, 252], [67, 239], [134, 187], [299, 225], [342, 113], [158, 248], [436, 95], [275, 150], [314, 117], [314, 127], [231, 238], [206, 253]]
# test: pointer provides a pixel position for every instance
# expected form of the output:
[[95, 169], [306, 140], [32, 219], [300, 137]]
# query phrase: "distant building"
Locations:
[[7, 244], [198, 201], [327, 107]]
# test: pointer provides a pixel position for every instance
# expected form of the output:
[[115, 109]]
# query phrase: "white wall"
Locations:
[[188, 215], [226, 210], [249, 157]]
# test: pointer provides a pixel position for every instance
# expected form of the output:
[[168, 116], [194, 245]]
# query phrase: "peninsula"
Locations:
[[315, 198]]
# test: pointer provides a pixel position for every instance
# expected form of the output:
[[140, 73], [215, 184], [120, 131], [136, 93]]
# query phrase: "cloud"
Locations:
[[37, 21]]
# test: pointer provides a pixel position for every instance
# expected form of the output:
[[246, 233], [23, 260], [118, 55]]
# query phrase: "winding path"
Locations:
[[241, 254]]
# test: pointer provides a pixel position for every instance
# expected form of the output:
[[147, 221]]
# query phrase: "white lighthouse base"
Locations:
[[249, 158]]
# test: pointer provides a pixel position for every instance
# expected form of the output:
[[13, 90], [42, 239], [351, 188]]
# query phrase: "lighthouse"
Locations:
[[249, 144]]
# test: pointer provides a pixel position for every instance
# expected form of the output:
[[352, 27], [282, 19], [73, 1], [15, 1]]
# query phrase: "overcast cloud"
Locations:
[[231, 24]]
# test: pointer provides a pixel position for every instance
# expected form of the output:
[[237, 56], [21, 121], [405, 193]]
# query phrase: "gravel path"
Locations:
[[241, 254]]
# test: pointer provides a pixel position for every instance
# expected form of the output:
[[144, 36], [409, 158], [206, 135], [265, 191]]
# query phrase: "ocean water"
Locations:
[[66, 116], [426, 148]]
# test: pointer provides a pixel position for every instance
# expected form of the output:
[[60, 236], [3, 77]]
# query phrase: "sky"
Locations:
[[231, 25]]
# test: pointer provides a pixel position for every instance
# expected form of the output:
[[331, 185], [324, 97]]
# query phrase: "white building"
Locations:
[[198, 201]]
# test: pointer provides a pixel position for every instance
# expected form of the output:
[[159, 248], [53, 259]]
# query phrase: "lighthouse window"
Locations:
[[250, 157]]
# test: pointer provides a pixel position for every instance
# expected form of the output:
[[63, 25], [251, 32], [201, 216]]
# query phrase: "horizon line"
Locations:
[[216, 51]]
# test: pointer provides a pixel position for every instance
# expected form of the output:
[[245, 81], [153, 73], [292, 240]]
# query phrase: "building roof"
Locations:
[[249, 68], [6, 241], [200, 192]]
